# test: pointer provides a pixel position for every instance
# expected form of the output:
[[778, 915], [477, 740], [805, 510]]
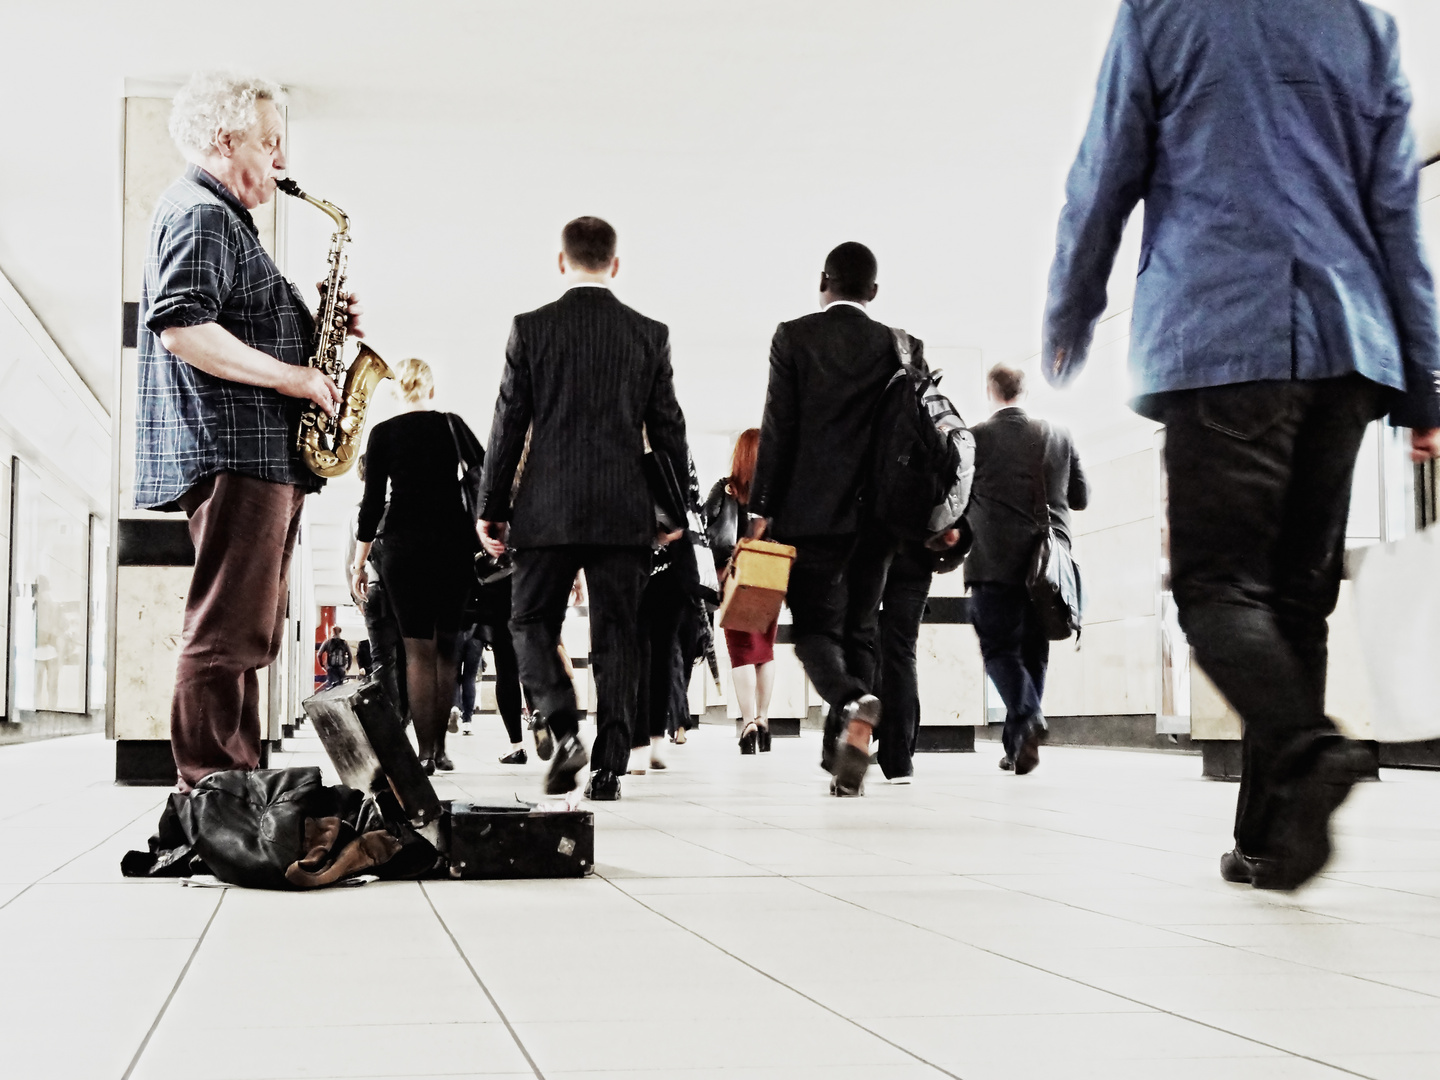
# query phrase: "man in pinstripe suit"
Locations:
[[586, 380]]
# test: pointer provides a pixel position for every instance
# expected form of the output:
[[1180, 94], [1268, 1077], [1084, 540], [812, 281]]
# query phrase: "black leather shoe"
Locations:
[[749, 739], [515, 757], [443, 762], [835, 790], [865, 708], [1027, 754], [544, 740], [570, 758], [1007, 763], [763, 739], [1240, 868], [604, 786], [827, 756], [1301, 833], [427, 765], [850, 765]]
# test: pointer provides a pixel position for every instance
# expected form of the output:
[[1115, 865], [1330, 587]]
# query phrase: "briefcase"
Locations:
[[755, 589], [517, 841], [364, 736]]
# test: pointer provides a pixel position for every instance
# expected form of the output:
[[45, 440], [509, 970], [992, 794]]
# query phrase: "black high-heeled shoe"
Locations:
[[764, 737], [749, 739]]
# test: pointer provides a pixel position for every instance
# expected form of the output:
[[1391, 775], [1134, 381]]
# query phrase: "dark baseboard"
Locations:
[[1123, 731], [144, 763], [33, 726], [287, 731], [1219, 759], [1415, 755], [945, 739]]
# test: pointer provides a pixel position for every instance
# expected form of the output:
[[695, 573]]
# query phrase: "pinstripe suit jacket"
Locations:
[[592, 377]]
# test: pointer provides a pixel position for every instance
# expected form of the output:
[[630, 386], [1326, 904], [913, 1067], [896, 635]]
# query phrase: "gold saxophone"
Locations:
[[329, 445]]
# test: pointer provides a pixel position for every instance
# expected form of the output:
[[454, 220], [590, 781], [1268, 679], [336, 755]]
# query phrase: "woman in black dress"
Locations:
[[427, 560]]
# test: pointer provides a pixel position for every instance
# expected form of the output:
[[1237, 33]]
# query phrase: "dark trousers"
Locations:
[[507, 676], [387, 648], [906, 587], [244, 532], [472, 662], [541, 586], [1259, 477], [1015, 650], [834, 598], [660, 610]]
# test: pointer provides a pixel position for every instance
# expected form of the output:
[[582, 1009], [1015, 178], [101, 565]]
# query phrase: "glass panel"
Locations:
[[49, 600]]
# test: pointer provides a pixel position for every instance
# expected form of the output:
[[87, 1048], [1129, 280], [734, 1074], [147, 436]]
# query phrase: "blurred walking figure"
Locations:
[[752, 656], [427, 559], [335, 658], [589, 380], [1283, 304], [1018, 463]]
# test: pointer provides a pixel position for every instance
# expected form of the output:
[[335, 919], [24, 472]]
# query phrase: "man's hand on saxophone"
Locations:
[[352, 309]]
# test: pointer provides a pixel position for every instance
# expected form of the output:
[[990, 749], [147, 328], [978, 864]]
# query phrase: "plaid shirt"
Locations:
[[205, 264]]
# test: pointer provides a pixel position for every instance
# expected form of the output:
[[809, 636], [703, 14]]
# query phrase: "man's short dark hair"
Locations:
[[589, 243], [851, 268], [1005, 382]]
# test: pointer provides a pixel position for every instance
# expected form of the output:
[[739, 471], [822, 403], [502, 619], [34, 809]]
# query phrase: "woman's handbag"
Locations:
[[1053, 579], [469, 470]]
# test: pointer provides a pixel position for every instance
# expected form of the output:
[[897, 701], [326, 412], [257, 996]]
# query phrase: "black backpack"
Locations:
[[923, 455]]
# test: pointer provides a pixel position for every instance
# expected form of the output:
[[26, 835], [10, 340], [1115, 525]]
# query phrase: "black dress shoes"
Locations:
[[570, 758], [515, 757], [604, 786], [850, 765], [1240, 868], [1027, 753], [544, 740], [1324, 775], [427, 765], [443, 762], [1007, 763]]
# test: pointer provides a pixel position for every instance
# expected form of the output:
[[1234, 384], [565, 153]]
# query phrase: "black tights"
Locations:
[[430, 667]]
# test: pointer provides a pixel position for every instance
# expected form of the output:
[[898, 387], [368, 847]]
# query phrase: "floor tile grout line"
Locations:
[[781, 983], [515, 1035], [1090, 986], [51, 873], [154, 1026]]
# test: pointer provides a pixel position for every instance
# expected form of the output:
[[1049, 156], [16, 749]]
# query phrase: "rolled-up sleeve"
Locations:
[[198, 261]]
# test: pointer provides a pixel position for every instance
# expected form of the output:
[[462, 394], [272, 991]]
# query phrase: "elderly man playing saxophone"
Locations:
[[224, 348]]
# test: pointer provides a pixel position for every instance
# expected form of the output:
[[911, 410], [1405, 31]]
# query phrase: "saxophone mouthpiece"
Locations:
[[289, 187]]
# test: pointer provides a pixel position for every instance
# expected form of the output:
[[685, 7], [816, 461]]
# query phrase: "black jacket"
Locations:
[[1001, 516], [593, 377], [826, 374]]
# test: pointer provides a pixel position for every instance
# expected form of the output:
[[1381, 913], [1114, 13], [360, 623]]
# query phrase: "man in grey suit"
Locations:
[[1018, 462], [586, 380], [1283, 304]]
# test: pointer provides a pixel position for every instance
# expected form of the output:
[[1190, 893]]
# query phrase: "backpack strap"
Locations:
[[1042, 500], [902, 345]]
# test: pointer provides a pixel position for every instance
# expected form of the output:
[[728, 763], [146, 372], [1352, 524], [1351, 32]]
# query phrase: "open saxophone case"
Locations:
[[363, 735]]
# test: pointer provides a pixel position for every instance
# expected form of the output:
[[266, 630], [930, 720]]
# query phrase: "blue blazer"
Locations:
[[1270, 141]]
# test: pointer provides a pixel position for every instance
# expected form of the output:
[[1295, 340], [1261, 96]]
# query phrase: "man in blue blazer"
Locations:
[[1283, 303]]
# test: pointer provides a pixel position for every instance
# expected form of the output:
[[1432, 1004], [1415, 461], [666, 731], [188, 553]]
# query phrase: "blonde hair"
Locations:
[[414, 380]]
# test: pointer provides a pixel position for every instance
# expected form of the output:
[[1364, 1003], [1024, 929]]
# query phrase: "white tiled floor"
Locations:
[[742, 924]]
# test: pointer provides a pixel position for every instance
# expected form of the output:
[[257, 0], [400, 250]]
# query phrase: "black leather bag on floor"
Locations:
[[248, 827], [1053, 579]]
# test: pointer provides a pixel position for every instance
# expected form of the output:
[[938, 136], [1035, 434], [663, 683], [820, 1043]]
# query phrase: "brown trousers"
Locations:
[[244, 532]]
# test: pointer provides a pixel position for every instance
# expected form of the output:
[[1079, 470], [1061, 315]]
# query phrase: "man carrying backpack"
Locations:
[[1018, 463], [828, 372]]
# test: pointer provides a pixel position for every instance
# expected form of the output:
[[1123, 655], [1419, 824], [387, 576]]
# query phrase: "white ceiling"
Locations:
[[732, 144]]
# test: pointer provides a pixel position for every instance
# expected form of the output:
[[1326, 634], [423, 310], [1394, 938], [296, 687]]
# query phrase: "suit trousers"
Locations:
[[1015, 649], [660, 610], [615, 576], [1259, 493], [244, 533], [906, 588], [834, 596]]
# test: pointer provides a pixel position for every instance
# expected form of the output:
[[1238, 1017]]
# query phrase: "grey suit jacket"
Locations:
[[588, 378], [1001, 516]]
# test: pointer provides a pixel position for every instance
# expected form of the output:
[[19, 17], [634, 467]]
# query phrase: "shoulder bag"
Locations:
[[1053, 579]]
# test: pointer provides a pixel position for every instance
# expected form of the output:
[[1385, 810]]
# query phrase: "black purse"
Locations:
[[1053, 579], [470, 474]]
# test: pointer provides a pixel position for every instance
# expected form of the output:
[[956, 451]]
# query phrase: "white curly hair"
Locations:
[[213, 101]]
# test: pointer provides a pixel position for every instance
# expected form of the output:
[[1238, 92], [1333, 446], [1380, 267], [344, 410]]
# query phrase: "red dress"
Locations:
[[748, 648]]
